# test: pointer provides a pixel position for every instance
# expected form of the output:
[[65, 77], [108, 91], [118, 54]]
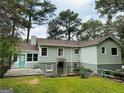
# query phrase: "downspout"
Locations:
[[71, 59]]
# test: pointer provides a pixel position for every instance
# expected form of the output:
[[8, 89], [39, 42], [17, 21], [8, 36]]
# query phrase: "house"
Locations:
[[56, 56]]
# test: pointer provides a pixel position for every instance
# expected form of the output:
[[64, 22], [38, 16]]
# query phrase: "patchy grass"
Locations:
[[37, 84]]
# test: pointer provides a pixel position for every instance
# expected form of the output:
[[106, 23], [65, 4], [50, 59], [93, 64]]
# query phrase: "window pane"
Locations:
[[35, 57], [76, 51], [114, 51], [103, 50], [60, 52], [44, 49], [44, 52], [29, 57]]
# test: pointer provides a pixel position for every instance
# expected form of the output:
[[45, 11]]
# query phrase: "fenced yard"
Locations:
[[38, 84]]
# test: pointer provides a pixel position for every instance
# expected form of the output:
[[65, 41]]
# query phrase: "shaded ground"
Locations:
[[38, 84], [23, 72]]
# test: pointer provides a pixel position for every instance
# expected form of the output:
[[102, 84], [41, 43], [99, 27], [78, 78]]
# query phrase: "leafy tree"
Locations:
[[54, 30], [13, 10], [91, 29], [109, 8], [37, 12], [119, 27], [105, 8], [67, 25], [8, 45]]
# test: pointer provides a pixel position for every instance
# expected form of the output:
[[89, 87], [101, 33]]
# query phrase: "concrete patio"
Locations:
[[23, 72]]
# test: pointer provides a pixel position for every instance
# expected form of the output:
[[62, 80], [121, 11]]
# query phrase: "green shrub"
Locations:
[[76, 70], [85, 72]]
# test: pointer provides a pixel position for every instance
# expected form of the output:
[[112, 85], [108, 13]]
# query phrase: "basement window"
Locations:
[[49, 67], [114, 51]]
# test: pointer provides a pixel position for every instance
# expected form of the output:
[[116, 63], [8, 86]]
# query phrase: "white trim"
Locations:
[[25, 56], [41, 52], [49, 69], [58, 52], [78, 51], [71, 58], [32, 58]]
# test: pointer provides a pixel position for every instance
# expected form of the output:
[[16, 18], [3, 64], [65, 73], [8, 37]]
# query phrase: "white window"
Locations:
[[44, 52], [103, 50], [60, 52], [76, 51], [114, 51], [29, 57], [49, 67], [32, 57]]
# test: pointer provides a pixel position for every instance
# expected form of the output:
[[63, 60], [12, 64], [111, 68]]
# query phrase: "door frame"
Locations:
[[24, 60], [60, 62]]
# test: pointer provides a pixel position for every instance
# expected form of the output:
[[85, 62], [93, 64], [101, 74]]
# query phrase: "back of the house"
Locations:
[[61, 56]]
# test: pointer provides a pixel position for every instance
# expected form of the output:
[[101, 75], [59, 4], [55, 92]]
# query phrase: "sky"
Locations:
[[85, 8]]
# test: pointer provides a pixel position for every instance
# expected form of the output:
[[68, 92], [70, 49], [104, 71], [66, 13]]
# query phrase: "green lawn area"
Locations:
[[37, 84]]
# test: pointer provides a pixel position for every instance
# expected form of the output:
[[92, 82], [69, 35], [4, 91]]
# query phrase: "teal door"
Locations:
[[22, 60]]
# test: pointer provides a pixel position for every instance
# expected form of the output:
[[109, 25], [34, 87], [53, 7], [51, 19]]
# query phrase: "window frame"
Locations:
[[116, 51], [49, 70], [30, 57], [58, 52], [35, 57], [74, 51], [104, 50], [46, 52]]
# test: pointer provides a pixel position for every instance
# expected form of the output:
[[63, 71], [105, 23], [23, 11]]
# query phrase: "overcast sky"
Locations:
[[85, 8]]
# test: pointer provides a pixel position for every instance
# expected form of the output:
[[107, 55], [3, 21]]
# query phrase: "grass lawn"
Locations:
[[37, 84]]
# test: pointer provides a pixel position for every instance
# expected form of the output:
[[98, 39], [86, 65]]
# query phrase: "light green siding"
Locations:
[[107, 58], [89, 55], [27, 63], [52, 56]]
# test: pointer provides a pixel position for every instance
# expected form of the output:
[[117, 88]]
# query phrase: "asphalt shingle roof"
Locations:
[[63, 43]]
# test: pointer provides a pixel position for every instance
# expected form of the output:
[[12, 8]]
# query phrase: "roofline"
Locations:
[[40, 44], [86, 45], [111, 38]]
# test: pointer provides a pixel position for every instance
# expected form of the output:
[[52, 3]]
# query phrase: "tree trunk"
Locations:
[[69, 36], [109, 21], [13, 29], [28, 33], [29, 27]]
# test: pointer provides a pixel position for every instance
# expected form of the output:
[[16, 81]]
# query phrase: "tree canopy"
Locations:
[[67, 23]]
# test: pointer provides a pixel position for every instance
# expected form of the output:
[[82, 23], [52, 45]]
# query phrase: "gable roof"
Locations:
[[51, 42], [97, 41], [66, 43], [26, 47]]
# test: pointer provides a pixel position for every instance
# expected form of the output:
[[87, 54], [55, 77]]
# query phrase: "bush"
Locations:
[[76, 70], [85, 72]]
